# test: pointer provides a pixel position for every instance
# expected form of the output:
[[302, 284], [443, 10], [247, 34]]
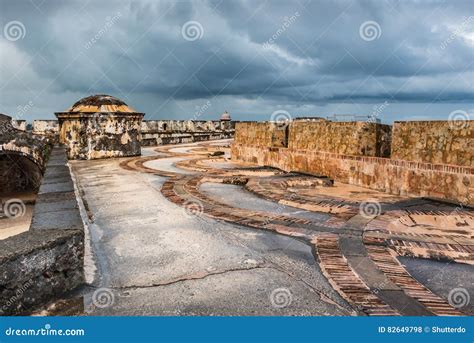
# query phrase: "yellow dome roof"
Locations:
[[100, 103]]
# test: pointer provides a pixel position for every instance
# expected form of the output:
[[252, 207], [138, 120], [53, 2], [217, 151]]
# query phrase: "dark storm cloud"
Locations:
[[253, 56]]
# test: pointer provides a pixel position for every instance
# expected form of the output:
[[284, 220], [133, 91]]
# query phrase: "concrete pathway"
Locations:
[[150, 257], [166, 237]]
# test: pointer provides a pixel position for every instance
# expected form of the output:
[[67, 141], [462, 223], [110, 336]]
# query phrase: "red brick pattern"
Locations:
[[387, 263], [338, 272], [454, 183], [184, 189]]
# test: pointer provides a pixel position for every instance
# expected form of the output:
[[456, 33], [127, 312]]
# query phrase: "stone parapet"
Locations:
[[351, 138], [160, 132], [440, 181], [446, 142], [156, 132], [47, 261], [46, 127]]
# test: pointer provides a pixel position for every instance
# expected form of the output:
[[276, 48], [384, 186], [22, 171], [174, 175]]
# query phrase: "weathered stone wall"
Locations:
[[348, 153], [25, 144], [47, 261], [19, 124], [149, 126], [254, 133], [444, 142], [18, 173], [158, 132], [383, 174], [46, 127], [350, 138], [102, 136], [22, 159]]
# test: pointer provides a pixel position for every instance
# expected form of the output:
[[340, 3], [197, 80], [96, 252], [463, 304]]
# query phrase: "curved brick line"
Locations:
[[449, 168], [197, 149], [193, 165], [395, 271], [465, 212], [352, 289], [137, 165], [435, 246], [214, 209], [426, 246], [332, 223], [191, 187], [362, 298], [423, 250], [275, 191], [350, 286], [343, 279]]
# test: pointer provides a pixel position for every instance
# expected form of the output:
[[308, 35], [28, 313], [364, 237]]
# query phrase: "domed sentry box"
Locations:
[[100, 126]]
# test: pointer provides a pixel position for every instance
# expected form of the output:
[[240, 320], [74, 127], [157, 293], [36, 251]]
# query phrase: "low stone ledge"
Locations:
[[162, 138], [406, 178], [37, 266], [45, 262]]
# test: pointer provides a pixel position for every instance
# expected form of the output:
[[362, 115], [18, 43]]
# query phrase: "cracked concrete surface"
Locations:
[[158, 260], [245, 250], [236, 292]]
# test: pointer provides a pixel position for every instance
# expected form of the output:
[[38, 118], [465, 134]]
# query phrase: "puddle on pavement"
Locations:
[[167, 165], [236, 196]]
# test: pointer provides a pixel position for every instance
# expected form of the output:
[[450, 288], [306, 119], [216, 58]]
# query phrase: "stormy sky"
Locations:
[[397, 60]]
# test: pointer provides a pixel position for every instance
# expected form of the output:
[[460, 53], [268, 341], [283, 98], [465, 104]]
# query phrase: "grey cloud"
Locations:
[[318, 61]]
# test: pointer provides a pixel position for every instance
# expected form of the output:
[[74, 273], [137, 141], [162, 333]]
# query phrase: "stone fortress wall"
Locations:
[[22, 156], [112, 135], [350, 138], [159, 132], [46, 261], [19, 124], [441, 142], [45, 127], [254, 133], [360, 158]]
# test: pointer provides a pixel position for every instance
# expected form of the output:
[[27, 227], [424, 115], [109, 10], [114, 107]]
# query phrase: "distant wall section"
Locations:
[[349, 154], [46, 127], [350, 138], [158, 132], [254, 133], [444, 142]]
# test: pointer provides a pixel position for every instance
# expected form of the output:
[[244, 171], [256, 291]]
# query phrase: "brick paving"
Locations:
[[342, 269], [345, 280]]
